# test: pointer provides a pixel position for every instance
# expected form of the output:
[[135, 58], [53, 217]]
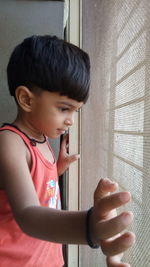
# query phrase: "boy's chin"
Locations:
[[55, 136]]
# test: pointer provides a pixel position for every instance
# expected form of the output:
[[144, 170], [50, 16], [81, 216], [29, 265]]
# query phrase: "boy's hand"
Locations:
[[108, 226], [64, 159]]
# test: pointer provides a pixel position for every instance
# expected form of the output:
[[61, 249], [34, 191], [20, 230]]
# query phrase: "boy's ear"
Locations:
[[24, 98]]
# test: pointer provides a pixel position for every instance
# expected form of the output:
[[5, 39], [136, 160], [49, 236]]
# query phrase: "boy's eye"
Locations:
[[63, 109]]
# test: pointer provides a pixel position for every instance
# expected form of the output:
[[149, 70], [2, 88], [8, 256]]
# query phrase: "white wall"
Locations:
[[18, 20]]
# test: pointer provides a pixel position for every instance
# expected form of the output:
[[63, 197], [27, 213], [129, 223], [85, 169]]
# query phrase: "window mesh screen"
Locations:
[[116, 120]]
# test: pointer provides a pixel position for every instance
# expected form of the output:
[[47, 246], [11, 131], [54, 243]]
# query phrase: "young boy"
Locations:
[[49, 79]]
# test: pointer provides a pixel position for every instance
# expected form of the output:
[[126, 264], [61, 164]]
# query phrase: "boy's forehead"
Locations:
[[64, 100], [57, 99]]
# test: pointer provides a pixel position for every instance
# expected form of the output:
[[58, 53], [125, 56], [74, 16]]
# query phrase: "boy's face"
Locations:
[[53, 114]]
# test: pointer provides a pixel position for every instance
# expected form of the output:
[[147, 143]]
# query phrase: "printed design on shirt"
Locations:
[[54, 195]]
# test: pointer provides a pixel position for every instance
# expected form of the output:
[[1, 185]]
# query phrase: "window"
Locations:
[[116, 120]]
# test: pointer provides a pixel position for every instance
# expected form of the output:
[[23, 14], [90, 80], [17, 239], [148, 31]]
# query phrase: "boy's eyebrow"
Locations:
[[66, 103]]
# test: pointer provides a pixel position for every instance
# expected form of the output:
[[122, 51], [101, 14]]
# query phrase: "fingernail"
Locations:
[[114, 183], [130, 238], [107, 180], [125, 196], [127, 218]]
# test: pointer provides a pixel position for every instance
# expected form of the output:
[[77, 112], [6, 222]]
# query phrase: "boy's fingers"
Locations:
[[65, 141], [112, 227], [118, 245], [104, 186], [114, 261], [105, 205], [73, 158]]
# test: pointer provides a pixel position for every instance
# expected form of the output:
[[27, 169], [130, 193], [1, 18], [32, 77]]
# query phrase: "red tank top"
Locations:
[[16, 248]]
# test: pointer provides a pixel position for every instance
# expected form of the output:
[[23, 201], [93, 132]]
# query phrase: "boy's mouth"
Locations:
[[61, 131]]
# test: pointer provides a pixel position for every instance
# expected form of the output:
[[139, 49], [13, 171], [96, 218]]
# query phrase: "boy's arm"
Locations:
[[50, 224], [37, 221]]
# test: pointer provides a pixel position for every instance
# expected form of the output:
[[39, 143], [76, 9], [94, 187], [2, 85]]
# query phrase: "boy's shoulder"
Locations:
[[13, 146], [10, 140], [8, 135]]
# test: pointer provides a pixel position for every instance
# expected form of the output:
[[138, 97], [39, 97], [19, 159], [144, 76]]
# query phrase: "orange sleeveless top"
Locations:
[[16, 248]]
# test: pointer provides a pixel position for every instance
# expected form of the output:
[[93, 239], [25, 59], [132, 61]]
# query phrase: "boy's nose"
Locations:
[[69, 122]]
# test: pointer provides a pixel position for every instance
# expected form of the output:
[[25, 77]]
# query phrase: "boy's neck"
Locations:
[[25, 126]]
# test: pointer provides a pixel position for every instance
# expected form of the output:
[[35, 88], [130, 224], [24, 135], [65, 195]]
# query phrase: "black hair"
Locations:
[[51, 64]]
